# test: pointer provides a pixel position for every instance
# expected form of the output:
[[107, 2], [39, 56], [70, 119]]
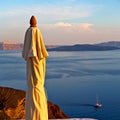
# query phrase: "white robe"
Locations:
[[35, 54]]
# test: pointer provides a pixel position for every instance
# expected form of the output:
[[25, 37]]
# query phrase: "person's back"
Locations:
[[35, 54]]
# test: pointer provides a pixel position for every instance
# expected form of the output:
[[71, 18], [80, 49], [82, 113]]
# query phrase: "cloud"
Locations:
[[64, 12], [76, 33], [62, 24], [66, 33], [87, 26], [48, 13], [69, 27], [14, 22]]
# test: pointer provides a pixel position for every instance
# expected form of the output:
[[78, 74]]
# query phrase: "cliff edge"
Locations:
[[12, 105]]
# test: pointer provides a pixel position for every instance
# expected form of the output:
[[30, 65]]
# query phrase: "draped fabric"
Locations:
[[33, 44], [35, 54]]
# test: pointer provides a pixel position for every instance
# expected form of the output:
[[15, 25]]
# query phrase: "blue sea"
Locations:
[[73, 80]]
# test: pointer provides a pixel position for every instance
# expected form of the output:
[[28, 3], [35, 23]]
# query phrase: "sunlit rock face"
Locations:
[[12, 105]]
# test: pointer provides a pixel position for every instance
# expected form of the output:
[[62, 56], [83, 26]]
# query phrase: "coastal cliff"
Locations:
[[78, 47], [12, 105], [10, 46]]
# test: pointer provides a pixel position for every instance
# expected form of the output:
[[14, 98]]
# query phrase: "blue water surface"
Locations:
[[73, 80]]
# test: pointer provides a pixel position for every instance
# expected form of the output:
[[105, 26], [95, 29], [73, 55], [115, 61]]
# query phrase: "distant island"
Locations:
[[17, 46], [10, 46], [83, 47], [112, 45]]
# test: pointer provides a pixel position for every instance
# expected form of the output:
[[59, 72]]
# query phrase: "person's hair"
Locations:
[[33, 22]]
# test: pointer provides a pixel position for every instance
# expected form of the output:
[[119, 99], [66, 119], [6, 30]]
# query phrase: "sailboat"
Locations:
[[97, 105]]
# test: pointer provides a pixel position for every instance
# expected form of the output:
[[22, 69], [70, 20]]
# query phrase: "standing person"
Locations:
[[35, 54]]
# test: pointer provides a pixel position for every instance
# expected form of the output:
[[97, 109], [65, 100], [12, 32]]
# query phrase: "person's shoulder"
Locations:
[[35, 28], [28, 30], [38, 30]]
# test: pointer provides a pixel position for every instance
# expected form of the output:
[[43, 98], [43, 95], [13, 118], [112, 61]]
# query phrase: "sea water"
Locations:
[[73, 80]]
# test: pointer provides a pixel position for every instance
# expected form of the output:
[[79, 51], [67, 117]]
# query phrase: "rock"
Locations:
[[12, 105]]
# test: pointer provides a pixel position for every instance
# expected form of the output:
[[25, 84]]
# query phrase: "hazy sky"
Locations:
[[62, 22]]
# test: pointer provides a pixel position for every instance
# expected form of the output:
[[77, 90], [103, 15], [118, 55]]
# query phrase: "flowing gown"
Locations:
[[35, 54]]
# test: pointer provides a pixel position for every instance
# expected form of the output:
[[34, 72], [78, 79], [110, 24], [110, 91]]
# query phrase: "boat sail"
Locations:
[[97, 105]]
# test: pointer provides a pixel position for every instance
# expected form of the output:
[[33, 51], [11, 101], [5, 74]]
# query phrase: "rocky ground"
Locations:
[[12, 105]]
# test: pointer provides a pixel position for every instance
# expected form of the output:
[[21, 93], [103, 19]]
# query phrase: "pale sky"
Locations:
[[62, 22]]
